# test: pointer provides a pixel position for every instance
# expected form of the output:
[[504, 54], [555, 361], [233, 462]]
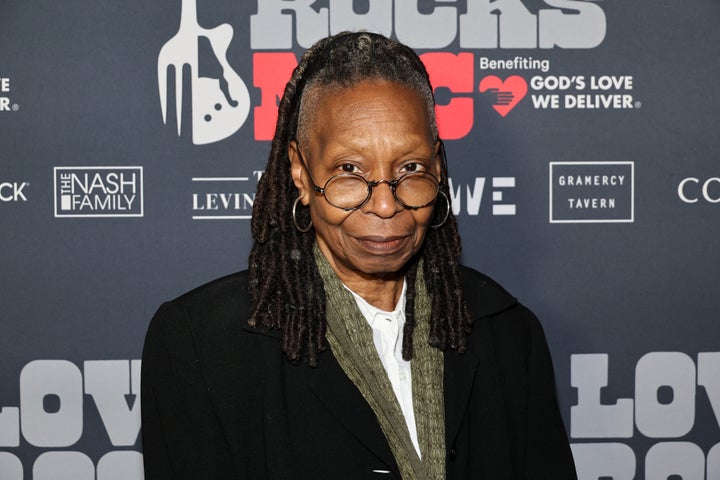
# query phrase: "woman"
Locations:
[[355, 346]]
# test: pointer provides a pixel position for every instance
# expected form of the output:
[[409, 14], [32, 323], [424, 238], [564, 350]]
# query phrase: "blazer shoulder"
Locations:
[[213, 311], [500, 318], [220, 301], [233, 287], [484, 296]]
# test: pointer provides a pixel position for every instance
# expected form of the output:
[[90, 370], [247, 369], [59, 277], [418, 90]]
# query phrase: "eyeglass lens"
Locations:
[[413, 190]]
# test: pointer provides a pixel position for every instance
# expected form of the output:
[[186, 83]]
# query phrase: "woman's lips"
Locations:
[[382, 244]]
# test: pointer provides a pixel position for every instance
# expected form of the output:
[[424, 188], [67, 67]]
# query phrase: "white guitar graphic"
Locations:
[[220, 106]]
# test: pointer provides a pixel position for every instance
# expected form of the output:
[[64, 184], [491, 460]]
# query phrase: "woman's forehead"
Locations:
[[370, 112], [319, 93]]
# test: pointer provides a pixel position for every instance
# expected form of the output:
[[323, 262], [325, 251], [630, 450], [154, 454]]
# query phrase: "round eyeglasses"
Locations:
[[350, 191]]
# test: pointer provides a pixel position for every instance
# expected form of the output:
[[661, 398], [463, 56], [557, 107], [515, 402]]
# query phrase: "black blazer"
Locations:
[[220, 401]]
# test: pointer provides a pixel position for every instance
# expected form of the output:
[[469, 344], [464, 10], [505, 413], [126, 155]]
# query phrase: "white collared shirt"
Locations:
[[387, 330]]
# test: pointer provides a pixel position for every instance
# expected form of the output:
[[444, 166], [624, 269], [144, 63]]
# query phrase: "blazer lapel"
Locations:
[[336, 392], [458, 381], [344, 402]]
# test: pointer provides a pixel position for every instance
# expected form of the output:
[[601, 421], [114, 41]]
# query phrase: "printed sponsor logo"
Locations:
[[478, 24], [13, 191], [592, 192], [508, 93], [662, 409], [220, 99], [224, 198], [220, 105], [469, 197], [694, 190], [54, 411], [553, 92], [6, 105], [98, 192], [581, 92]]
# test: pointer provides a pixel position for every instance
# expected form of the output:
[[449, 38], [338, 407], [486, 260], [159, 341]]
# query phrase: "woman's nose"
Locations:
[[382, 201]]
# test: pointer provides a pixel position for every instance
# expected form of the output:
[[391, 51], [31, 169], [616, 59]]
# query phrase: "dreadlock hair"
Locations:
[[286, 290]]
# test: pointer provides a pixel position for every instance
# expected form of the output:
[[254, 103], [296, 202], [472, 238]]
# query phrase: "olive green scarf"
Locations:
[[351, 341]]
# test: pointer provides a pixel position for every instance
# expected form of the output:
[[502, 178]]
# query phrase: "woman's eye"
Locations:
[[348, 168], [412, 167]]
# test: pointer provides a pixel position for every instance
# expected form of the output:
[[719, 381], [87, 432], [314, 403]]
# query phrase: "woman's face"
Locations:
[[379, 130]]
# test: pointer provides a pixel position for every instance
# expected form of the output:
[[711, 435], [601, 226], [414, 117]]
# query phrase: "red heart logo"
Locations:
[[507, 93]]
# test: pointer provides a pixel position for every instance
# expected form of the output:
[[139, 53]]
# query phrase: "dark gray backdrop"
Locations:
[[628, 294]]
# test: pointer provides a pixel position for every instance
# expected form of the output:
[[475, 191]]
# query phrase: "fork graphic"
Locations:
[[219, 106]]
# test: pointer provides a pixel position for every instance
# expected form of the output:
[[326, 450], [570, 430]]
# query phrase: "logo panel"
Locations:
[[220, 104], [98, 192], [467, 195], [592, 192], [223, 198], [5, 104], [13, 191], [508, 92], [694, 190]]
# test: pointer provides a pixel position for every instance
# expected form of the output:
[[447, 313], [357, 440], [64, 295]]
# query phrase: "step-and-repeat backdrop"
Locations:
[[582, 138]]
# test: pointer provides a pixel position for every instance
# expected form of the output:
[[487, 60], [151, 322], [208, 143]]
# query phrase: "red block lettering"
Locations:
[[454, 72], [271, 71]]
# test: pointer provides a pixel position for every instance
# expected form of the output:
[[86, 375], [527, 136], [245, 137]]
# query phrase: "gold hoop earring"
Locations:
[[294, 218], [447, 212]]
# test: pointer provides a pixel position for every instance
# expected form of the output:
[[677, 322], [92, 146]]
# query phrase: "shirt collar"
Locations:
[[371, 313]]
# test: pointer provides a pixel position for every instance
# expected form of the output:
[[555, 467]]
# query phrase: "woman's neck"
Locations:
[[383, 294]]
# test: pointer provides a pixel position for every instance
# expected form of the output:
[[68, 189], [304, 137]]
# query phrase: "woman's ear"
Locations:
[[438, 155], [298, 173]]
